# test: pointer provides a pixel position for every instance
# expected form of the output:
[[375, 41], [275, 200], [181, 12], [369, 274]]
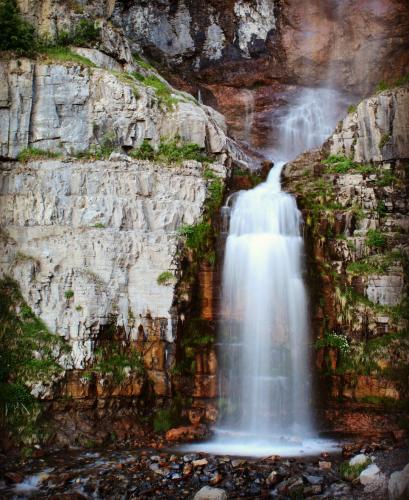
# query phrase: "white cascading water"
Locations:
[[264, 347]]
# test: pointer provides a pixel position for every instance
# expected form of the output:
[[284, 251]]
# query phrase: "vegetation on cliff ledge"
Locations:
[[28, 356]]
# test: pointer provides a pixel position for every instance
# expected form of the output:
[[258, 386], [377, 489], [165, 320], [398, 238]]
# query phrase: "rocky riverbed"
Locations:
[[362, 470]]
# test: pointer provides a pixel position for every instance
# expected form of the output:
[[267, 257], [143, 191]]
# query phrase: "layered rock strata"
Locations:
[[353, 194]]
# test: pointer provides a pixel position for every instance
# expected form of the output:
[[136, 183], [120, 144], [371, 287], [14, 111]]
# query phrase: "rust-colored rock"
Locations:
[[186, 433]]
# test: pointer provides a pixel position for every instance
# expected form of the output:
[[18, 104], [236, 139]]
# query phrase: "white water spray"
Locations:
[[265, 385]]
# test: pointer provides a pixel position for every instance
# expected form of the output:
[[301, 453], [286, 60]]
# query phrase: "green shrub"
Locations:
[[64, 54], [351, 472], [112, 359], [383, 141], [164, 420], [197, 235], [84, 33], [15, 33], [32, 154], [99, 225], [101, 151], [162, 89], [334, 340], [144, 152], [170, 151], [339, 164], [352, 108], [375, 239], [141, 62], [28, 353], [386, 179], [69, 294], [164, 278], [381, 209], [382, 85]]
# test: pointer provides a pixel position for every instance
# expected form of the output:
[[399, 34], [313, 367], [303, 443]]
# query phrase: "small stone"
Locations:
[[119, 157], [199, 463], [187, 469], [369, 475], [216, 478], [314, 489], [359, 459], [314, 480], [272, 478], [209, 493], [324, 465], [237, 463]]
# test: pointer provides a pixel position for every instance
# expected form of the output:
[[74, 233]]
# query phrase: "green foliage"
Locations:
[[115, 360], [173, 151], [215, 197], [69, 294], [386, 179], [375, 239], [351, 472], [64, 54], [333, 340], [383, 85], [32, 154], [170, 151], [16, 34], [352, 108], [144, 152], [164, 420], [129, 80], [197, 235], [164, 278], [142, 62], [28, 353], [99, 225], [101, 151], [384, 139], [162, 89], [381, 209], [375, 264], [339, 164], [83, 34]]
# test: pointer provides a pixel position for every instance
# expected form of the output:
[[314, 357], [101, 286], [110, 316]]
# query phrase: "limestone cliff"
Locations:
[[106, 171], [354, 197]]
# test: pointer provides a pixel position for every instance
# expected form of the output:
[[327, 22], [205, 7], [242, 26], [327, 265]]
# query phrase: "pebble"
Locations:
[[324, 465], [199, 463]]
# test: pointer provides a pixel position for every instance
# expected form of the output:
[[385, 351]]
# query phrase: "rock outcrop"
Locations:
[[356, 224], [69, 108]]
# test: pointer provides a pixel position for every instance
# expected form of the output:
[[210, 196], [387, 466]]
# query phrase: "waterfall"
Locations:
[[265, 386], [265, 328]]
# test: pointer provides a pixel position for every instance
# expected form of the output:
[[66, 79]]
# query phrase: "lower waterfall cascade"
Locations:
[[265, 378]]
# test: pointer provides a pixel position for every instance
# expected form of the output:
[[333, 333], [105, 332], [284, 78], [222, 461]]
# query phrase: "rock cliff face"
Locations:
[[92, 235], [68, 108], [254, 54], [356, 215]]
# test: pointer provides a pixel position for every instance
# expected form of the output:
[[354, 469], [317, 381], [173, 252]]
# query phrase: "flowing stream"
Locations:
[[265, 383]]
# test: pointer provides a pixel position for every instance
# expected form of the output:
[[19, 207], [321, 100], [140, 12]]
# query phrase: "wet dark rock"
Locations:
[[313, 479]]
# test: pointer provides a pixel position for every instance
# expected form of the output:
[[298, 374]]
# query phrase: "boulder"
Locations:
[[370, 475], [398, 486], [359, 459]]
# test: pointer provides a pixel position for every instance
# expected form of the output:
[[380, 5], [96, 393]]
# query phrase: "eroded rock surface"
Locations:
[[356, 217]]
